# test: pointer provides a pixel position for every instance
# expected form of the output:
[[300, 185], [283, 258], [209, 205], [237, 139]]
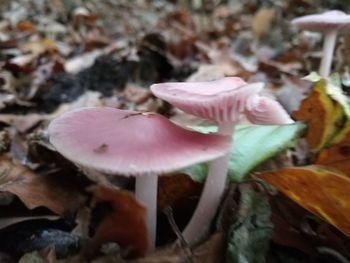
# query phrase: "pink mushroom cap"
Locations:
[[131, 143], [219, 100], [330, 20], [265, 110]]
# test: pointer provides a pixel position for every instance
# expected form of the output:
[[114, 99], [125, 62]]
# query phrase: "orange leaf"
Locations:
[[26, 26], [34, 190], [321, 191], [322, 115], [337, 155], [126, 225]]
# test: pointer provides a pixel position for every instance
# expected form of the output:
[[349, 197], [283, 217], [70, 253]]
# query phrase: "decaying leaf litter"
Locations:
[[58, 56]]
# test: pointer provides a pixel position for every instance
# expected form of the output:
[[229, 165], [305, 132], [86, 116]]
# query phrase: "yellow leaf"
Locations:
[[40, 46], [337, 155], [323, 115]]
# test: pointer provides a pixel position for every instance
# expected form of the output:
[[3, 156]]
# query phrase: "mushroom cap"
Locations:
[[330, 20], [219, 100], [265, 110], [131, 143]]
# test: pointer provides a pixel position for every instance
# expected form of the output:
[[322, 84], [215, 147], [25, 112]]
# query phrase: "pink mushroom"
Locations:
[[130, 143], [265, 110], [329, 23], [222, 101]]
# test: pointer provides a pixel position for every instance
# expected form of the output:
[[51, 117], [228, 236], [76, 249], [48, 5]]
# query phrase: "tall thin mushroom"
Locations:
[[130, 143], [329, 23], [222, 101]]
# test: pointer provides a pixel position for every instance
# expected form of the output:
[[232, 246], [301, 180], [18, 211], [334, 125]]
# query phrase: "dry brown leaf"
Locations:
[[22, 63], [323, 192], [176, 188], [57, 194], [26, 26], [126, 225], [39, 47], [23, 123], [262, 20], [337, 155], [213, 72]]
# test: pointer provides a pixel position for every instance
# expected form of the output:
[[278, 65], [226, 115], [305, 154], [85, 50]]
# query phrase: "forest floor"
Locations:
[[57, 56]]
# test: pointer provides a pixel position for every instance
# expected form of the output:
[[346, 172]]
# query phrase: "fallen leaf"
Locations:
[[262, 21], [176, 188], [323, 192], [79, 63], [253, 144], [22, 123], [213, 72], [249, 236], [126, 225], [337, 155], [296, 228], [322, 114], [179, 193], [39, 47], [54, 193], [333, 87], [285, 212], [26, 26], [22, 63]]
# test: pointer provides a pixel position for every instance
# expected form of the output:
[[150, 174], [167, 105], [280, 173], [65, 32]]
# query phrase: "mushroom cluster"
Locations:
[[221, 101], [122, 142], [145, 145]]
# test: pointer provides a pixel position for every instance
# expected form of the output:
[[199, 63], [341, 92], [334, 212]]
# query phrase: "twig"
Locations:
[[168, 211]]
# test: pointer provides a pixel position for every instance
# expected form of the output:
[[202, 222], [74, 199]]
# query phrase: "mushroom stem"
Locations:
[[211, 194], [146, 189], [327, 54]]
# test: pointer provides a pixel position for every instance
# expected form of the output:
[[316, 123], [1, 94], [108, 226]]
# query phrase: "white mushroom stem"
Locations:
[[146, 189], [327, 54], [211, 194]]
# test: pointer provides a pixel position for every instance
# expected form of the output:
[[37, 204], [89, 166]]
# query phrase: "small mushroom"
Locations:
[[265, 110], [222, 101], [329, 23], [130, 143]]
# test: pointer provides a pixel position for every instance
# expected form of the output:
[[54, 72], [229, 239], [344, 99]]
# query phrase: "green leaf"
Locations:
[[249, 237], [197, 172], [252, 145]]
